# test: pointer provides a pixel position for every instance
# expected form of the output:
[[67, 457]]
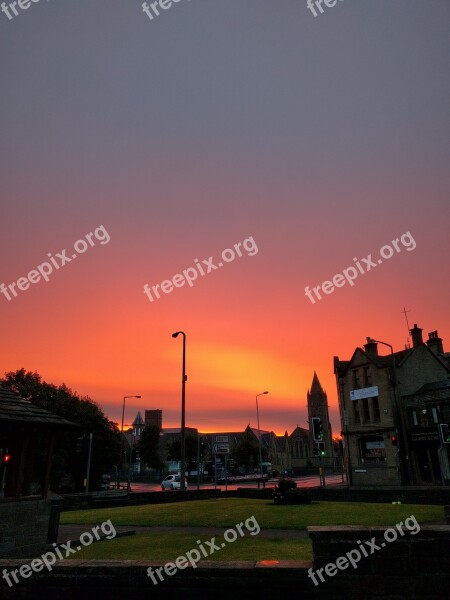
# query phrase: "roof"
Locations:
[[434, 386], [399, 357], [138, 420], [13, 408], [316, 387]]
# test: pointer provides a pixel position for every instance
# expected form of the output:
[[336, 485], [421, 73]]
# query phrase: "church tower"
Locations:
[[318, 407]]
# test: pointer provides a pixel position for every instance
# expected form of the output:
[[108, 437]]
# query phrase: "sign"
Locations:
[[369, 392], [372, 451], [222, 439], [221, 448], [424, 434], [373, 445]]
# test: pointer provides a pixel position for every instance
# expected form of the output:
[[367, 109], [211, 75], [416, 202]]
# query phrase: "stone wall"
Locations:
[[411, 568], [108, 500], [24, 526]]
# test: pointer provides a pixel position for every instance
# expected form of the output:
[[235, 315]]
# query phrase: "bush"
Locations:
[[284, 485]]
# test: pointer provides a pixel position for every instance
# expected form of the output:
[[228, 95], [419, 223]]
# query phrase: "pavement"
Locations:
[[73, 532]]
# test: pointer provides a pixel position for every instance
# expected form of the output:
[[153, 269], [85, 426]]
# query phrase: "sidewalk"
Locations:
[[73, 532]]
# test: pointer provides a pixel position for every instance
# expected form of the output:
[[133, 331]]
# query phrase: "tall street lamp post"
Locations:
[[183, 412], [405, 472], [121, 439], [259, 432]]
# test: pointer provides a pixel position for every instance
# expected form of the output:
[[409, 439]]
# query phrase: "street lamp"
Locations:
[[259, 432], [183, 412], [121, 439], [398, 415]]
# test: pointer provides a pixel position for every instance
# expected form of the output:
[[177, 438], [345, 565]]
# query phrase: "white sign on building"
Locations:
[[369, 392]]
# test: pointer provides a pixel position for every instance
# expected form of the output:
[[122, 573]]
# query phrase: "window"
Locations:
[[365, 410], [356, 381], [414, 419], [356, 416], [372, 450], [435, 415], [367, 377], [375, 409]]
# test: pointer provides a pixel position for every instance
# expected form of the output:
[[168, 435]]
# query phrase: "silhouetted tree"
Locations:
[[174, 448], [83, 411], [148, 447]]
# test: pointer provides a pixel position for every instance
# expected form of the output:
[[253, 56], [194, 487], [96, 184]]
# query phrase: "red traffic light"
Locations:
[[5, 459], [394, 440]]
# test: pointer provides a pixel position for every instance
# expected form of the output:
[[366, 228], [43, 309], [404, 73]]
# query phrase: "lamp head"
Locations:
[[176, 334]]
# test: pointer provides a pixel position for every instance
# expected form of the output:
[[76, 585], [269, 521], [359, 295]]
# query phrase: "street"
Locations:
[[302, 482]]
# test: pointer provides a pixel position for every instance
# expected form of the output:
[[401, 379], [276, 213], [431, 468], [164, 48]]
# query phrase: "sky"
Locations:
[[311, 141]]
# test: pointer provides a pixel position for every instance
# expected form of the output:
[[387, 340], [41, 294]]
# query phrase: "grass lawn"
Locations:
[[167, 547], [226, 512]]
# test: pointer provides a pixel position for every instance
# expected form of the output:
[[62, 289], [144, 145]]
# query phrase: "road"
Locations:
[[302, 482]]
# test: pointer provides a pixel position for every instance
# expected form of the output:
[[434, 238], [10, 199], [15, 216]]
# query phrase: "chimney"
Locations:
[[434, 343], [371, 347], [416, 334]]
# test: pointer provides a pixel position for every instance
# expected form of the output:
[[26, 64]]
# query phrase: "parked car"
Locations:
[[173, 482], [106, 482]]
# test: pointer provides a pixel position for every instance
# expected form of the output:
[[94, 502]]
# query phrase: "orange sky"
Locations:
[[186, 135]]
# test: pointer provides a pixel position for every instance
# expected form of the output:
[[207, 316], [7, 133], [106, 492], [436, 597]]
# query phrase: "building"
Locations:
[[377, 398], [318, 408], [300, 449], [29, 516], [424, 412], [153, 418]]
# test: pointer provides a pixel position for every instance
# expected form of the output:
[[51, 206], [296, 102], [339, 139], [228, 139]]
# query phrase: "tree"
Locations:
[[148, 447], [67, 464], [174, 448], [246, 451]]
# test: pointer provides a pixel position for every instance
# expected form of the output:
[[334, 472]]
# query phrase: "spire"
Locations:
[[138, 420], [316, 388]]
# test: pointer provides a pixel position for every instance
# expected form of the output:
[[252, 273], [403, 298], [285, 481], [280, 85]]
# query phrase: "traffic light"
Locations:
[[321, 448], [445, 433], [394, 439], [5, 457], [317, 429]]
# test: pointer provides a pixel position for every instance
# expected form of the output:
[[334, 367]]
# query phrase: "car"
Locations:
[[106, 482], [173, 482]]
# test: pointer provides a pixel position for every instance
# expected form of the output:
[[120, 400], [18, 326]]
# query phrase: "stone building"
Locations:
[[375, 394], [153, 418], [318, 407], [424, 411]]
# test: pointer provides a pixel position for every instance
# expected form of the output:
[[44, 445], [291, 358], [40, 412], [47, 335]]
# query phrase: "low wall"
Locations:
[[27, 526], [413, 568], [405, 495], [89, 501]]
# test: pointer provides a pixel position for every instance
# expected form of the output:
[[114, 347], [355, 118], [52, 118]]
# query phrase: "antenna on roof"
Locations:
[[404, 311]]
